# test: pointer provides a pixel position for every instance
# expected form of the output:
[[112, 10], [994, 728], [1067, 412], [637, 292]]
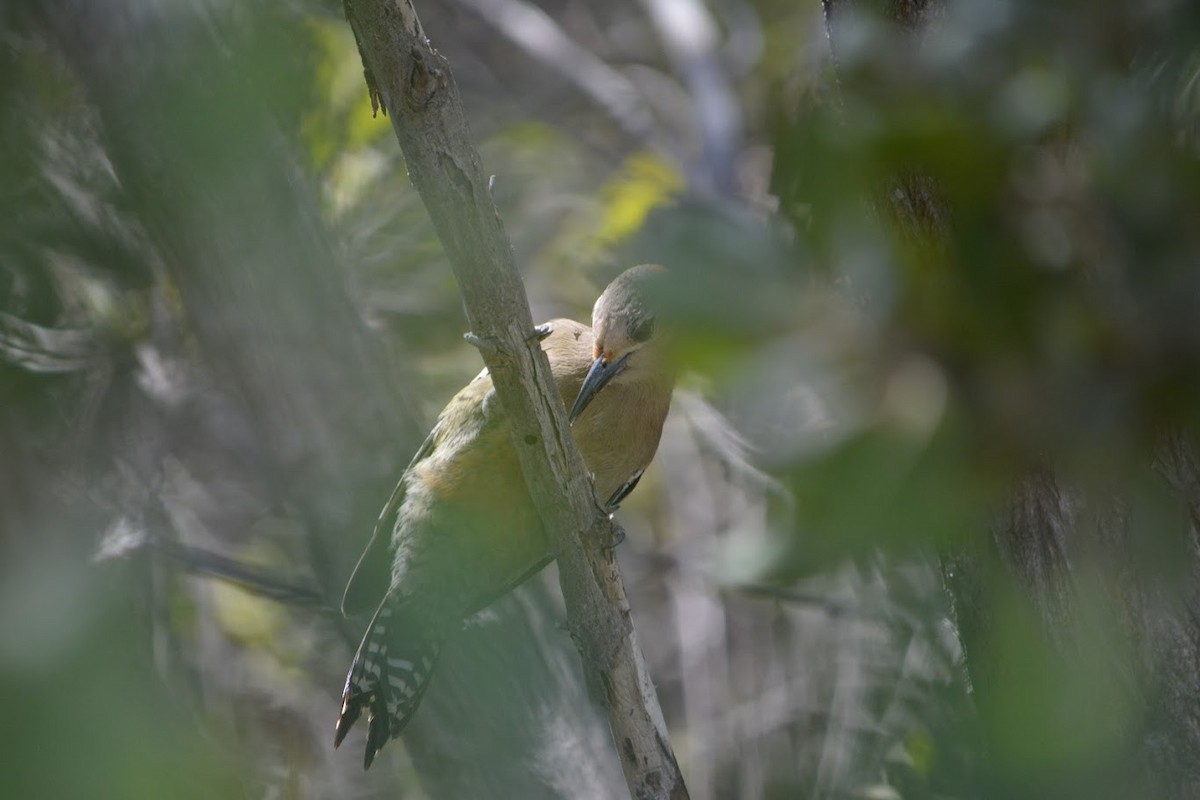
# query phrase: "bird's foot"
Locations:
[[605, 511], [617, 537], [487, 344], [540, 332]]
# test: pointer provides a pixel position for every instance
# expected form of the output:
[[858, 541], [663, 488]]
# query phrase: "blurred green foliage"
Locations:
[[1045, 243], [1031, 230], [953, 310], [87, 712]]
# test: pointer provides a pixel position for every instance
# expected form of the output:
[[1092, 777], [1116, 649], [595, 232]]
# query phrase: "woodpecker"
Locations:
[[463, 529]]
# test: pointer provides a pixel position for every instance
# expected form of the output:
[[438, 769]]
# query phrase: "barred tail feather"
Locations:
[[388, 676]]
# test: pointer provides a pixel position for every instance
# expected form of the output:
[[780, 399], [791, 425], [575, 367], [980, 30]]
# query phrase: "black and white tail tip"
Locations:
[[388, 678]]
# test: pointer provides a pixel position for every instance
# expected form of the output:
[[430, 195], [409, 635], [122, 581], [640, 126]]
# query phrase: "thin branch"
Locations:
[[535, 32], [690, 36], [47, 350], [416, 87], [256, 580]]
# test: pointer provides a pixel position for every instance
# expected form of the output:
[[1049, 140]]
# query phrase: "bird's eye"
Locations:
[[642, 329]]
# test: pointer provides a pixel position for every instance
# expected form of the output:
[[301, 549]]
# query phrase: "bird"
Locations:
[[461, 528]]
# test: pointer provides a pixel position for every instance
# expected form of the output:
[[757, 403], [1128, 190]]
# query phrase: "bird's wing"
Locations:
[[372, 573]]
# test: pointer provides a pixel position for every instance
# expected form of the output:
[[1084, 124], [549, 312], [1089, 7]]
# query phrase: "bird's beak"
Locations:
[[597, 378]]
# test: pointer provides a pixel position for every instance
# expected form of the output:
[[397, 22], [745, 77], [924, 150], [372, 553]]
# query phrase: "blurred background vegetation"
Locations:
[[924, 522]]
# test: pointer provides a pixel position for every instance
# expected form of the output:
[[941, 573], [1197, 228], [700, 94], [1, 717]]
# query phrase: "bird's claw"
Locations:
[[488, 344], [540, 332], [606, 512], [618, 537]]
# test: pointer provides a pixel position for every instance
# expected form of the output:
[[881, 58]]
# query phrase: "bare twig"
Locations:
[[417, 89], [47, 350], [535, 32], [256, 580]]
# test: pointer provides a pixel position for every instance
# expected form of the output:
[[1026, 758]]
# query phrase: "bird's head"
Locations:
[[623, 329]]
